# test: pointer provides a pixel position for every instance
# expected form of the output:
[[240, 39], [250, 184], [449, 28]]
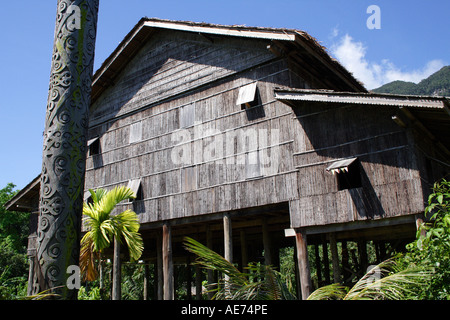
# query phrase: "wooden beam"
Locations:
[[159, 268], [146, 281], [209, 244], [198, 282], [228, 243], [228, 237], [326, 262], [267, 244], [335, 258], [167, 263], [244, 250], [188, 278], [116, 283], [303, 264]]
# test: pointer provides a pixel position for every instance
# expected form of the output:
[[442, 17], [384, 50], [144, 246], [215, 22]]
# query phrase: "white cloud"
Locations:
[[352, 55]]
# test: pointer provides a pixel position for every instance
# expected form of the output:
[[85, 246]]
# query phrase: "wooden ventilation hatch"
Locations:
[[135, 186], [348, 173], [247, 97], [94, 146]]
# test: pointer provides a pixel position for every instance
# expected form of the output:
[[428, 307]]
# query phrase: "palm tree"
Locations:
[[103, 227]]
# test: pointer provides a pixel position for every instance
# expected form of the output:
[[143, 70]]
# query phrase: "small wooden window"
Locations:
[[252, 165], [187, 115], [247, 97], [94, 146], [348, 173], [136, 132], [135, 186]]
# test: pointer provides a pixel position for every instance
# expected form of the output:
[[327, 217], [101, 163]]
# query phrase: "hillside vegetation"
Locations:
[[438, 84]]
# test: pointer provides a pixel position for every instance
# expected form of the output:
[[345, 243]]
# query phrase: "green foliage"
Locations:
[[386, 281], [92, 294], [261, 282], [423, 272], [13, 241], [433, 248], [103, 226], [436, 84]]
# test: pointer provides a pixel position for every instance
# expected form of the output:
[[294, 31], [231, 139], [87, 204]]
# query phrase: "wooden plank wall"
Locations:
[[390, 178], [172, 121], [196, 152]]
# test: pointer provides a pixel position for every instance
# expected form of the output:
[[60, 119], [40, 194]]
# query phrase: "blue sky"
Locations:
[[412, 43]]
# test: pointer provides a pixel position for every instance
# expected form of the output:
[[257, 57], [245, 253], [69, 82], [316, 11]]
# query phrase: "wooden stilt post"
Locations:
[[189, 278], [228, 243], [362, 250], [198, 282], [116, 284], [159, 268], [335, 258], [303, 263], [228, 237], [345, 264], [297, 274], [326, 262], [318, 265], [419, 223], [210, 275], [167, 262], [146, 281], [267, 244], [244, 251]]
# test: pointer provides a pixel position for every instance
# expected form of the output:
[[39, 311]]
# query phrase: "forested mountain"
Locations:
[[438, 84]]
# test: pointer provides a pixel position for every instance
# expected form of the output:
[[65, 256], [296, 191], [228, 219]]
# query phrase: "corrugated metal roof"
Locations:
[[361, 98]]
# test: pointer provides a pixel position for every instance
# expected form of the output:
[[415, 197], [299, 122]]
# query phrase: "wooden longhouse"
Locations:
[[254, 139]]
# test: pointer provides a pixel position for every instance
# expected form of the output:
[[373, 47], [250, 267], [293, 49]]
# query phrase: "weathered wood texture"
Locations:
[[390, 179], [171, 120], [196, 151]]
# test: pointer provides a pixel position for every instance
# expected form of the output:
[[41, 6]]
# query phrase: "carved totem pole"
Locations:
[[64, 152]]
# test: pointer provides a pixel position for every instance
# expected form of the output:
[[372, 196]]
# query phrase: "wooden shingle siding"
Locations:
[[389, 173], [172, 120], [192, 152], [166, 66]]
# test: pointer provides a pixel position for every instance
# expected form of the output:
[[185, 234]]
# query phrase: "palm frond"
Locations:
[[88, 257], [260, 283], [113, 197], [333, 291], [103, 226], [388, 282], [213, 261]]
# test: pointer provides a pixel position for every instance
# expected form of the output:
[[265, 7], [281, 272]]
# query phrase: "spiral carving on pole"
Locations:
[[64, 151]]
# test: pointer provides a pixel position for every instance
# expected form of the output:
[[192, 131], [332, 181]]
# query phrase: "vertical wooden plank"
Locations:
[[244, 250], [228, 237], [116, 285], [159, 268], [326, 263], [209, 244], [167, 262], [198, 283], [303, 263], [267, 244], [146, 281], [318, 265], [335, 258], [228, 243], [188, 278]]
